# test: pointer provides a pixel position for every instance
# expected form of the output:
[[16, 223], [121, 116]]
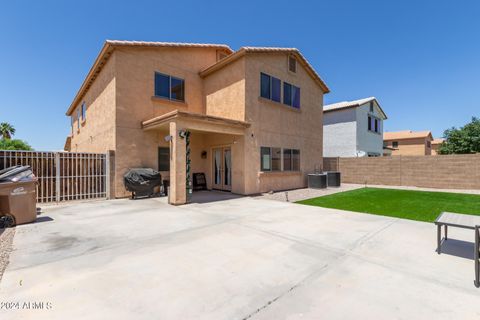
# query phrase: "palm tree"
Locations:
[[6, 130]]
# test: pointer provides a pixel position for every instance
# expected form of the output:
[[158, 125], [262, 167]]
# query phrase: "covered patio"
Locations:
[[201, 144]]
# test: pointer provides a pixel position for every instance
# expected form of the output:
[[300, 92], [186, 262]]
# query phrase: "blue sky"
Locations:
[[421, 58]]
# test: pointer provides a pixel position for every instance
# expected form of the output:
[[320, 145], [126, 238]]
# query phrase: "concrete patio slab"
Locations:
[[242, 258]]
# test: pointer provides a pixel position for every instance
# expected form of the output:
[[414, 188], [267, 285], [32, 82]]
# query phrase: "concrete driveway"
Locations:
[[241, 258]]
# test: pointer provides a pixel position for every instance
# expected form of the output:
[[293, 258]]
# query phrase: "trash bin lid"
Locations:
[[16, 173]]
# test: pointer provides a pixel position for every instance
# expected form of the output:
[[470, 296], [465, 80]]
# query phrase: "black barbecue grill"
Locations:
[[141, 182]]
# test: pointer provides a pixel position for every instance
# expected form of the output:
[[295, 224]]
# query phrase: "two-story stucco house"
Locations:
[[409, 143], [353, 128], [250, 114]]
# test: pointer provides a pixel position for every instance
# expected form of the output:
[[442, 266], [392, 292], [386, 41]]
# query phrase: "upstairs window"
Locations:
[[169, 87], [373, 124], [276, 89], [84, 111], [270, 87], [265, 86], [371, 106], [292, 64], [287, 93], [291, 95], [395, 144], [429, 145], [78, 119]]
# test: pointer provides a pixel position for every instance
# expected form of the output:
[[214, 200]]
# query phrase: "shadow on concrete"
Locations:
[[212, 196], [458, 248], [43, 219]]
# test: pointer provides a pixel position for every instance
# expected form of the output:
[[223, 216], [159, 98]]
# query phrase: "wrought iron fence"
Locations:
[[64, 176]]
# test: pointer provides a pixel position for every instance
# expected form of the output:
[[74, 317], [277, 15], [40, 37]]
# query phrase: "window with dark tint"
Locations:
[[78, 119], [265, 159], [295, 160], [163, 159], [395, 144], [376, 125], [169, 87], [177, 89], [429, 144], [287, 93], [371, 106], [276, 159], [162, 85], [370, 123], [84, 111], [291, 160], [287, 159], [296, 97], [292, 64], [264, 85], [276, 89]]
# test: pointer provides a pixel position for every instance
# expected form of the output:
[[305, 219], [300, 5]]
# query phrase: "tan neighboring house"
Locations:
[[436, 144], [254, 115], [408, 143]]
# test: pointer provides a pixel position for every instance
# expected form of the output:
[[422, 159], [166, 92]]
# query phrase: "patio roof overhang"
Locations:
[[196, 121]]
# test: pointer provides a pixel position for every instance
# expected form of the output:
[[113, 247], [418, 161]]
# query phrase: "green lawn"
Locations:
[[406, 204]]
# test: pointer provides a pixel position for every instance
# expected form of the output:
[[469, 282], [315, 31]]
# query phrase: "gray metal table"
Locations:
[[466, 221]]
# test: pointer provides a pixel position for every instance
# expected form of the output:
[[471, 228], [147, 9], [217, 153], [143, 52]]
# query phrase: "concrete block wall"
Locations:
[[444, 172]]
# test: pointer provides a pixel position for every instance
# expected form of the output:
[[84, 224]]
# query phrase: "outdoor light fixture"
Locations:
[[182, 134], [168, 138]]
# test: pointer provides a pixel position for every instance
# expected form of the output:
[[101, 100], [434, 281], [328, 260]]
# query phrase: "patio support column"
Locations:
[[178, 190]]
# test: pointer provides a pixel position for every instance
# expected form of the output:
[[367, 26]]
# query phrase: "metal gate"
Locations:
[[64, 176]]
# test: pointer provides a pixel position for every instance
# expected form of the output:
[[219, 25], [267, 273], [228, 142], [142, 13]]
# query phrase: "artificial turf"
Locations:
[[406, 204]]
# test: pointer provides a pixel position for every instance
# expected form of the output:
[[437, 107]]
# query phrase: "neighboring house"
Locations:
[[436, 144], [409, 143], [254, 115], [353, 128]]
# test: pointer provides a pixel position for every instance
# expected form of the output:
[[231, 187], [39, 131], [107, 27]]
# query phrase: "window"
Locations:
[[291, 160], [84, 111], [371, 106], [287, 159], [287, 93], [78, 119], [264, 85], [429, 145], [276, 89], [169, 87], [271, 87], [163, 159], [276, 159], [291, 95], [373, 124], [395, 144], [265, 159], [292, 64], [296, 97], [177, 89]]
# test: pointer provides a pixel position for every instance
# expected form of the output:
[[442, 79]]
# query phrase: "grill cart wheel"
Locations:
[[7, 221]]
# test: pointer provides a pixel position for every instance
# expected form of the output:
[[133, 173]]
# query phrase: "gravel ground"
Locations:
[[6, 238]]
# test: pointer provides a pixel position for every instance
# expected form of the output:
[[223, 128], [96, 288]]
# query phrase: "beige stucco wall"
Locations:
[[277, 125], [97, 132], [411, 147], [135, 102], [225, 92]]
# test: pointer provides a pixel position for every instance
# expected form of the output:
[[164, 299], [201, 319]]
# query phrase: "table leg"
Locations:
[[477, 256], [446, 232], [439, 237]]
